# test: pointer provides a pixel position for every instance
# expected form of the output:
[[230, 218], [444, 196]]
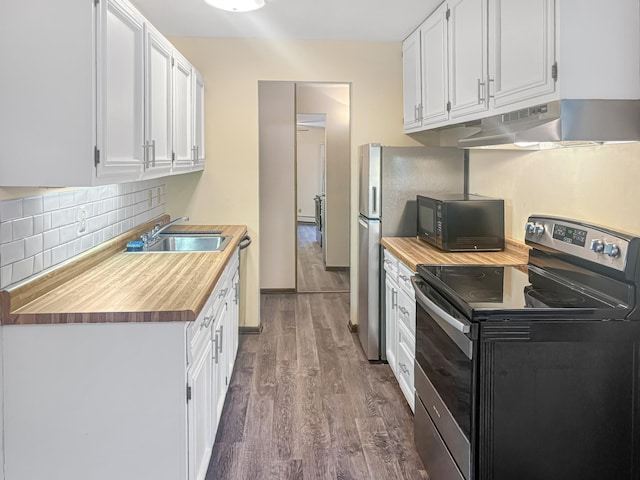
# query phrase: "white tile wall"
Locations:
[[40, 232]]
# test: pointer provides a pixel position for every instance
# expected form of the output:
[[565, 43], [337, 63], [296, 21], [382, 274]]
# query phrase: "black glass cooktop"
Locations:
[[520, 289]]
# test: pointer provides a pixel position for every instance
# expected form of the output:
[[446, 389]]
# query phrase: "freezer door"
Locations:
[[370, 180], [369, 287]]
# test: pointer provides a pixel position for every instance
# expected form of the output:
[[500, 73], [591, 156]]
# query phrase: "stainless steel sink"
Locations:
[[189, 243]]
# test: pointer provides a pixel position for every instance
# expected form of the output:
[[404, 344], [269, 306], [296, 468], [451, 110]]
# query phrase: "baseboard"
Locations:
[[352, 328], [276, 291], [336, 269], [251, 330]]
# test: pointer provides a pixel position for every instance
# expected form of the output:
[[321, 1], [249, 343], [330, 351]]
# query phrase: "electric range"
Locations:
[[532, 371]]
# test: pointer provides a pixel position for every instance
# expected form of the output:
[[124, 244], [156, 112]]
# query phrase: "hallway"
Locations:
[[312, 276], [304, 402]]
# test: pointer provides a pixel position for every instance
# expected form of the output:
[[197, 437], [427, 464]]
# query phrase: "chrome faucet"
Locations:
[[150, 237]]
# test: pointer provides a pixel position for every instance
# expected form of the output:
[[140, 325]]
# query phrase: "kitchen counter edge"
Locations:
[[412, 252], [196, 286]]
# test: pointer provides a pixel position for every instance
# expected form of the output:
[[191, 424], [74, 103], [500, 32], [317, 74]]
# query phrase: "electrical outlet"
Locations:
[[82, 220]]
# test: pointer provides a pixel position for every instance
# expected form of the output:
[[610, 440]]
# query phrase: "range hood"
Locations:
[[563, 123]]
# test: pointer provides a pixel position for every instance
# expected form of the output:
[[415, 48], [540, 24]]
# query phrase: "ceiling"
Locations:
[[365, 20]]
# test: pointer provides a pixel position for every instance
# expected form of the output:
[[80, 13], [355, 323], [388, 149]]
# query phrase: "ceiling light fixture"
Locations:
[[236, 5]]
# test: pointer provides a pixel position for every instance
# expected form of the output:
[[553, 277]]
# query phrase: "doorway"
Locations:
[[282, 214], [312, 274]]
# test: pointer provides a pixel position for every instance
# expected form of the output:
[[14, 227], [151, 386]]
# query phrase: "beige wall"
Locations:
[[596, 184], [227, 191], [277, 225]]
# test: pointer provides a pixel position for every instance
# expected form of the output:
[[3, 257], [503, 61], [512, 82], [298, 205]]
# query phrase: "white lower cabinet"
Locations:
[[124, 401], [400, 323]]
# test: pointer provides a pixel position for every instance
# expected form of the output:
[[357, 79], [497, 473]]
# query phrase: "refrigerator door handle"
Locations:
[[375, 199]]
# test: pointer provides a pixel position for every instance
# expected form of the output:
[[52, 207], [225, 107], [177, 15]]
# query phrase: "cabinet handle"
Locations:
[[221, 339], [223, 292], [403, 368], [207, 322], [420, 110], [145, 156], [404, 278], [153, 153], [194, 154], [394, 299], [404, 310], [215, 348], [415, 112], [491, 80], [481, 98]]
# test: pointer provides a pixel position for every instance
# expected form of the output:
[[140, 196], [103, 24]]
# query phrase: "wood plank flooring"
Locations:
[[304, 403], [312, 277]]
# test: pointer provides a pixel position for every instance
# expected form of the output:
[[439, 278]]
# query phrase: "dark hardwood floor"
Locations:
[[304, 403], [312, 277]]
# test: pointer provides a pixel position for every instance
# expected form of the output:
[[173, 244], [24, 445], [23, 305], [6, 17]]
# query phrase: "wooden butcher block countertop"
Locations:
[[412, 252], [131, 287]]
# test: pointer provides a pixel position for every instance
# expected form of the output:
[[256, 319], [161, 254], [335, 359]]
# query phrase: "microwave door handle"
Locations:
[[434, 309]]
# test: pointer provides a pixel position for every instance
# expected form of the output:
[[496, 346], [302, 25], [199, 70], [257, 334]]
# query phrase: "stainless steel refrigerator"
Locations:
[[390, 179]]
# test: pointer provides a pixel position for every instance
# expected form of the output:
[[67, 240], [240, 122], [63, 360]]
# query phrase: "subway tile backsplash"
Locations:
[[42, 231]]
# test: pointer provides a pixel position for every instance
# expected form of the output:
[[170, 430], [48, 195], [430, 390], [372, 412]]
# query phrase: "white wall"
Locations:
[[308, 170], [595, 184], [41, 231]]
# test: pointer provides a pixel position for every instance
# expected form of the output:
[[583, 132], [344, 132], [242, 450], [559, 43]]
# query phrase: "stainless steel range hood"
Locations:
[[564, 123]]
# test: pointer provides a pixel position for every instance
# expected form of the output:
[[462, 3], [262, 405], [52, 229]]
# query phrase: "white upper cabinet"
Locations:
[[94, 103], [521, 50], [183, 126], [198, 120], [159, 104], [486, 57], [120, 122], [467, 57], [435, 74], [411, 81]]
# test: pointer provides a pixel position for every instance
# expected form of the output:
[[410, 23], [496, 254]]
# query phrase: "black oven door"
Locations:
[[444, 377]]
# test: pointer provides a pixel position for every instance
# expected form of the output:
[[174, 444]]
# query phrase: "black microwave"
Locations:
[[461, 222]]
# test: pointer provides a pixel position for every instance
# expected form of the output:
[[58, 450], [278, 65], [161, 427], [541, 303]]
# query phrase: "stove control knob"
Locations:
[[597, 246], [534, 228], [530, 228], [612, 250]]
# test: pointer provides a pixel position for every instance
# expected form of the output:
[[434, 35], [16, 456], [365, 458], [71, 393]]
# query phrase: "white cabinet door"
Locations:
[[467, 57], [120, 132], [200, 411], [183, 115], [219, 362], [411, 82], [433, 40], [158, 103], [198, 120], [391, 321], [521, 50]]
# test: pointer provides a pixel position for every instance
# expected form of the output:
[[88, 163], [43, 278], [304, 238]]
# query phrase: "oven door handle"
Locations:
[[434, 309]]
